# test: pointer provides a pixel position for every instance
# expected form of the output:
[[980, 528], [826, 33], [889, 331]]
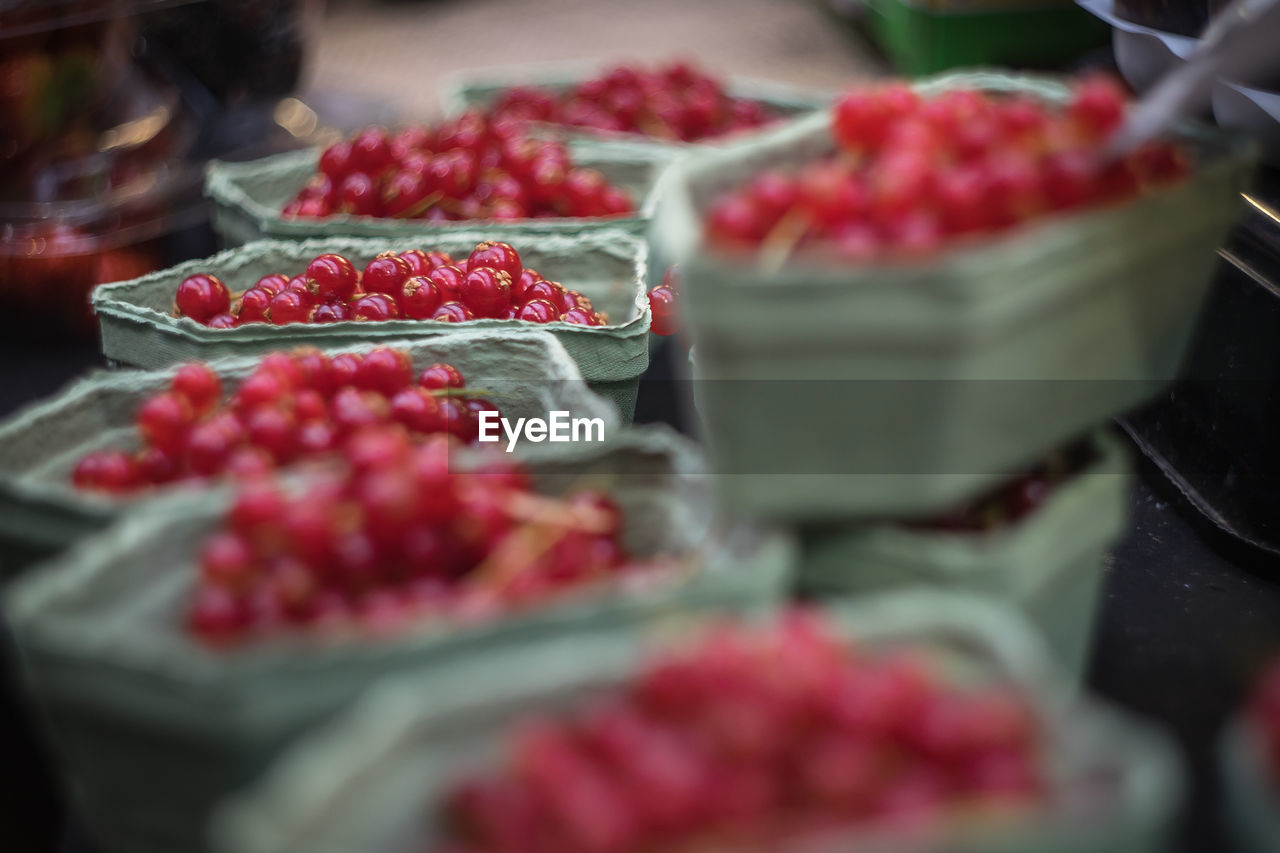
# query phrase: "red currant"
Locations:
[[201, 297]]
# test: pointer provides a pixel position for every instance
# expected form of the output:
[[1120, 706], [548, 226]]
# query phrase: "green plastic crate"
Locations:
[[925, 38], [41, 512], [150, 728], [842, 392], [477, 89], [367, 781], [1049, 565], [247, 199], [608, 266]]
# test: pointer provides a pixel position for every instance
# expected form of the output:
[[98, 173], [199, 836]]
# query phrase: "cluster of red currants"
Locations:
[[677, 102], [912, 173], [466, 168], [394, 536], [1264, 715], [1018, 498], [662, 303], [293, 407], [412, 285], [756, 739]]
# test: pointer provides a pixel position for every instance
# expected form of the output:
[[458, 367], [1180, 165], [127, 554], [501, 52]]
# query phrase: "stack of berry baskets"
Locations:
[[182, 648], [641, 108], [906, 723], [465, 172], [1249, 760], [71, 464], [586, 289], [902, 304]]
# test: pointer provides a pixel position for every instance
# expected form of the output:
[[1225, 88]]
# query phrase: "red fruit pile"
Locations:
[[1264, 714], [677, 102], [914, 173], [467, 168], [1013, 501], [294, 406], [753, 737], [662, 303], [412, 285], [396, 536]]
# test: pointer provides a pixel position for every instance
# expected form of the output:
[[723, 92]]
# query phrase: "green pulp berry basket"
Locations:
[[370, 780], [928, 37], [41, 512], [839, 391], [477, 90], [248, 197], [151, 727], [1252, 805], [607, 266], [1049, 565]]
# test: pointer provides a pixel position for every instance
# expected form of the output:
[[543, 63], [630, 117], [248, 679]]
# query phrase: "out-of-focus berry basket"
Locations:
[[1114, 783], [154, 726], [1048, 564], [478, 90], [1250, 799], [830, 391], [248, 199], [41, 511], [607, 266]]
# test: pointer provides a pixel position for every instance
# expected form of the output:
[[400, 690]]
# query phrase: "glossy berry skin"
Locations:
[[253, 305], [419, 298], [385, 274], [418, 261], [164, 420], [288, 307], [330, 312], [486, 291], [497, 256], [331, 277], [449, 279], [538, 311], [222, 321], [374, 307], [548, 291], [199, 385], [384, 370], [272, 283], [662, 304], [111, 471], [335, 162], [201, 297], [453, 312], [578, 317], [441, 376]]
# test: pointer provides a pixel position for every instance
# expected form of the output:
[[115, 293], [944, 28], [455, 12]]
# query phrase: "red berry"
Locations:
[[289, 307], [497, 256], [385, 274], [223, 321], [418, 410], [252, 305], [329, 312], [419, 298], [374, 307], [486, 292], [370, 151], [453, 312], [335, 162], [662, 304], [201, 297], [538, 311], [111, 471], [275, 430], [330, 277], [449, 279], [384, 370], [199, 385], [440, 376], [578, 317], [272, 283], [358, 195], [163, 421]]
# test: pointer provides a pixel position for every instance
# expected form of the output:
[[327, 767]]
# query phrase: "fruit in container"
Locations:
[[470, 167], [491, 283], [915, 174], [757, 738], [396, 535], [677, 102], [295, 407]]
